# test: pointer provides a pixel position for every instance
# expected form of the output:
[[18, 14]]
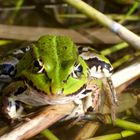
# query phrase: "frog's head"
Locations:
[[53, 66]]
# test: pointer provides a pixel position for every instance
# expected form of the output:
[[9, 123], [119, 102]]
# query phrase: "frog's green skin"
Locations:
[[53, 65], [54, 70]]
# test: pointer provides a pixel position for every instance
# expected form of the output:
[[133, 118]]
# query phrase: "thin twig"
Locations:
[[115, 27]]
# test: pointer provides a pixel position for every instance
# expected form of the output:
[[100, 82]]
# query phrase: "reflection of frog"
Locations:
[[51, 71]]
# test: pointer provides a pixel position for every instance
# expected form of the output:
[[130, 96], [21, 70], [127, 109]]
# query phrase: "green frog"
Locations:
[[53, 71]]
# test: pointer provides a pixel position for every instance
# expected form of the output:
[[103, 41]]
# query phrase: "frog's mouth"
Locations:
[[35, 98]]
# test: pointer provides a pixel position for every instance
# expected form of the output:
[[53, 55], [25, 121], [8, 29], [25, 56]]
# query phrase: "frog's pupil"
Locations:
[[36, 64], [80, 69]]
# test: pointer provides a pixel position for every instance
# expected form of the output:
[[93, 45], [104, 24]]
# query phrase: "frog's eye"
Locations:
[[77, 71], [38, 66]]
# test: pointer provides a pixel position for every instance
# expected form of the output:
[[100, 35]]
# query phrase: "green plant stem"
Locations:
[[123, 124], [17, 8], [115, 136], [132, 9], [49, 135], [121, 17], [5, 42], [122, 60], [114, 48], [112, 16], [127, 125], [115, 27], [90, 12]]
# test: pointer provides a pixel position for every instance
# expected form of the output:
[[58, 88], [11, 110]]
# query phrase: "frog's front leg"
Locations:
[[90, 102], [100, 67]]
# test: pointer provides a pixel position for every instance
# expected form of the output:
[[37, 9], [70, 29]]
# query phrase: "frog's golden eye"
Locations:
[[77, 70], [38, 66]]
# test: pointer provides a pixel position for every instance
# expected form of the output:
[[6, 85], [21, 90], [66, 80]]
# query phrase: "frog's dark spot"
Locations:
[[50, 88], [90, 109], [96, 62], [46, 75], [86, 92], [65, 81], [65, 47], [79, 90], [25, 49], [36, 63], [43, 44], [76, 113], [80, 49], [62, 90], [7, 69], [30, 82], [18, 104], [20, 90]]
